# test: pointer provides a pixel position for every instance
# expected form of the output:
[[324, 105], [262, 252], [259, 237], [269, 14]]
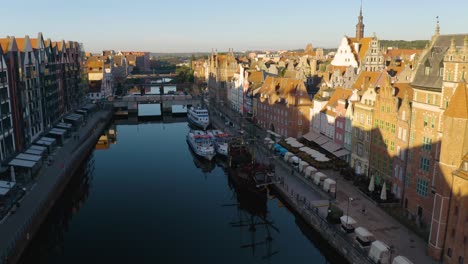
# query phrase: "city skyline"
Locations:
[[203, 26]]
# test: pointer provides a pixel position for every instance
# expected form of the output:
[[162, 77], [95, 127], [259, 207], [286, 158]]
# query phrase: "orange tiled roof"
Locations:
[[5, 43], [458, 106], [340, 93], [284, 88], [359, 83], [256, 77], [403, 88], [365, 44]]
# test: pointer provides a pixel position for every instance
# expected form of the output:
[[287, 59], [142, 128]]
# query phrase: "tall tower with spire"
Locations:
[[360, 25]]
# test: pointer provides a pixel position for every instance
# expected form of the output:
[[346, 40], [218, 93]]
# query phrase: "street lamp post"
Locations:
[[347, 211]]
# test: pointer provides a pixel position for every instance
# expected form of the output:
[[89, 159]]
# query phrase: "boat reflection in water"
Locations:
[[252, 217], [202, 163], [50, 238]]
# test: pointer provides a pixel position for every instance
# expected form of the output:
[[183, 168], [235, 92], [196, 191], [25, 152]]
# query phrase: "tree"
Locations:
[[184, 74]]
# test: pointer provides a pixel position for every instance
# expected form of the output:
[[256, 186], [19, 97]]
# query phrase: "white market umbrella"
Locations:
[[13, 175], [371, 184], [383, 193]]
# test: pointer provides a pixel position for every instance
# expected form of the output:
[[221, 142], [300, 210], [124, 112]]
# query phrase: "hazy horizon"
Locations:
[[186, 27]]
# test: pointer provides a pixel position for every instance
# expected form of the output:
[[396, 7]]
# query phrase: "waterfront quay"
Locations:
[[311, 202], [16, 230]]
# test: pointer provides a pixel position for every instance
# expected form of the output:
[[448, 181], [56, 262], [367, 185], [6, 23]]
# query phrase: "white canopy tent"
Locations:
[[308, 171]]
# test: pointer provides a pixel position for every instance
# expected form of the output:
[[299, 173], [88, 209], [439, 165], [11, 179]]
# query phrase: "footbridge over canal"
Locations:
[[129, 105]]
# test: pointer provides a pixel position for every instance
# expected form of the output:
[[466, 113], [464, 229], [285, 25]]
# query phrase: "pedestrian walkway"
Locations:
[[384, 227], [13, 228]]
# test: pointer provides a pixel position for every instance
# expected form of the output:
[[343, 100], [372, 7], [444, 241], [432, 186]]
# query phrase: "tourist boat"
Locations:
[[201, 144], [220, 140], [198, 117]]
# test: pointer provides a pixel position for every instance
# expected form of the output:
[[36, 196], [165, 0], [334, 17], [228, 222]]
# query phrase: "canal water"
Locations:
[[147, 199]]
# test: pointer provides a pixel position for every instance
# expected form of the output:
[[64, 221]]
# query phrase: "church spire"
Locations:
[[360, 25]]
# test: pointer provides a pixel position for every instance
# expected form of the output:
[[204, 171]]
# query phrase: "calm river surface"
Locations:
[[147, 199]]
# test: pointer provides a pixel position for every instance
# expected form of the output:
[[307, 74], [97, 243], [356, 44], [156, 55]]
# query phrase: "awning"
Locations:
[[36, 147], [331, 146], [34, 152], [341, 153], [347, 220], [44, 143], [7, 184], [48, 139], [29, 157], [311, 136], [4, 191], [321, 140], [22, 163]]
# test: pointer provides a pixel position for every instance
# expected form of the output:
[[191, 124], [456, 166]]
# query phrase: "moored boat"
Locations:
[[220, 141], [198, 117], [201, 144]]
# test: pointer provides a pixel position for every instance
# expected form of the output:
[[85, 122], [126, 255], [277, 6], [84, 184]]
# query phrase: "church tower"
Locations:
[[360, 25]]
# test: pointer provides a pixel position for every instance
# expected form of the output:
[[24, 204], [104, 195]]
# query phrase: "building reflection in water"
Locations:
[[108, 137], [49, 240]]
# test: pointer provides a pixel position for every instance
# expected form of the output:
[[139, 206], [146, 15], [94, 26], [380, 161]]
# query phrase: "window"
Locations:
[[399, 132], [427, 143], [432, 122], [393, 128], [460, 260], [403, 115], [421, 187], [299, 122], [404, 135], [449, 252], [359, 149], [392, 146], [425, 121], [369, 122], [424, 164], [388, 109], [367, 136], [428, 98], [427, 70]]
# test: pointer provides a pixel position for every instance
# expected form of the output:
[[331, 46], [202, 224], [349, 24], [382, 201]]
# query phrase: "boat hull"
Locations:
[[208, 156]]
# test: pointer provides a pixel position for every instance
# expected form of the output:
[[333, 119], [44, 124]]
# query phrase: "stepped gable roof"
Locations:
[[434, 57], [458, 106], [340, 93]]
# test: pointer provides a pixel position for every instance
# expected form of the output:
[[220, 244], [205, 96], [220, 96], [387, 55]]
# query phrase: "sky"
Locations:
[[203, 25]]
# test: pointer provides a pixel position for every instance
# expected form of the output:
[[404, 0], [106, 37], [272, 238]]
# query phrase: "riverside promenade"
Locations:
[[17, 230], [384, 227]]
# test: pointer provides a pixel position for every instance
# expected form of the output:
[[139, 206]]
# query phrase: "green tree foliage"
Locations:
[[184, 74], [403, 44]]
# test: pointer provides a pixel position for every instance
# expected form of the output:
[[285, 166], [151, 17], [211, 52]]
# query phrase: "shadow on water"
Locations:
[[53, 230]]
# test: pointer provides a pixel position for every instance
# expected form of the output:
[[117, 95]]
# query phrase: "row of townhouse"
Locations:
[[40, 80], [410, 132]]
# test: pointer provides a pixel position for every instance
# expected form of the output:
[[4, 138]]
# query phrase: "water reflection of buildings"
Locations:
[[50, 237], [252, 217], [109, 136]]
